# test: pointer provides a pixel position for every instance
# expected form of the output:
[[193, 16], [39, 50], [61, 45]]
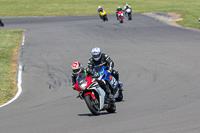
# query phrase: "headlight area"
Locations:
[[83, 85]]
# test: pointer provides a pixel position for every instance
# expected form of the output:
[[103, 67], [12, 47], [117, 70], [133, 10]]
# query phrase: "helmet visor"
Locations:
[[96, 56], [76, 71]]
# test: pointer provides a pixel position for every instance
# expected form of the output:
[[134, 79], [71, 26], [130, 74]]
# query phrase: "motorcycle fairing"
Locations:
[[89, 93], [89, 81], [103, 13], [128, 10], [102, 94], [108, 77], [77, 87]]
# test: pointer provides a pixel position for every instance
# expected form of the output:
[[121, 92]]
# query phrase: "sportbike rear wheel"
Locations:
[[92, 104], [104, 18]]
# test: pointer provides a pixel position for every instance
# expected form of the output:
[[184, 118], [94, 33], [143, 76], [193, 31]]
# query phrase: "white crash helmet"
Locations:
[[76, 68], [126, 4], [119, 7], [96, 53], [99, 7]]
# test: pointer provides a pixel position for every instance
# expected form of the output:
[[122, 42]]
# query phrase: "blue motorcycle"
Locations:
[[110, 80]]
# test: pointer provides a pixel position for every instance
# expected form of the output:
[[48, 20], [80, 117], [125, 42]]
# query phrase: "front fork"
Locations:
[[80, 95]]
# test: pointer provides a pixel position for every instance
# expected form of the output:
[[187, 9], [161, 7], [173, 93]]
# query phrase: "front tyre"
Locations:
[[129, 17], [121, 19], [106, 19], [92, 105]]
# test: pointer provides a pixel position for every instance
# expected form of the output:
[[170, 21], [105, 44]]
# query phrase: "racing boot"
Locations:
[[111, 97], [117, 16], [109, 94], [120, 85]]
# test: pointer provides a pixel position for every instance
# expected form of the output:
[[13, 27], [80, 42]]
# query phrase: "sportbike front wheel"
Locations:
[[129, 17], [106, 18], [92, 104]]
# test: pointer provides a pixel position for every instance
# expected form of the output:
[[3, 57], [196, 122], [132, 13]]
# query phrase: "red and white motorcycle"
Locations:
[[120, 16], [94, 96]]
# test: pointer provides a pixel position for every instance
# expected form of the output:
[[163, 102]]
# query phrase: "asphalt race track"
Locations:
[[159, 65]]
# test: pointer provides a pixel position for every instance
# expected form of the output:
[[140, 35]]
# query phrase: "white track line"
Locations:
[[19, 79]]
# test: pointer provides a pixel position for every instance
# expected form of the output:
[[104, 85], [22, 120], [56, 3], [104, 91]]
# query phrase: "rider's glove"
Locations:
[[73, 87], [109, 71], [96, 75]]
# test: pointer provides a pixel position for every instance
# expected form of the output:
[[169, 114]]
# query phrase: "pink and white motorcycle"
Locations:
[[93, 94], [120, 16]]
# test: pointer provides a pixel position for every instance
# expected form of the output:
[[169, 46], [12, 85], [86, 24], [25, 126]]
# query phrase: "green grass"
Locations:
[[10, 41], [189, 9]]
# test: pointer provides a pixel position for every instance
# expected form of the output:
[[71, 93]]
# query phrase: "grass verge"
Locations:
[[188, 9], [9, 46]]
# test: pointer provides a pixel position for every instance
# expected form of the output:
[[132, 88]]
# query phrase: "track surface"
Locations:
[[159, 65]]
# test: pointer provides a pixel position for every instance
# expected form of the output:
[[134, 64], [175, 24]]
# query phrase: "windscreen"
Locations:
[[81, 77]]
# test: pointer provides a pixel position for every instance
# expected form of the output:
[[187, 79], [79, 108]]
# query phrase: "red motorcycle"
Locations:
[[120, 16], [94, 96]]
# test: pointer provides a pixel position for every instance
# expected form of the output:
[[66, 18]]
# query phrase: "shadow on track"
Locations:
[[103, 113]]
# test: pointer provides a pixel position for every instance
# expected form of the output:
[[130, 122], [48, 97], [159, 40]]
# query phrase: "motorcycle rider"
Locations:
[[100, 9], [77, 69], [118, 10], [126, 7], [99, 58], [1, 23]]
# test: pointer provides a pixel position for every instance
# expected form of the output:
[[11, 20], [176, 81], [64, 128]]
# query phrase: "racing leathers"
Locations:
[[118, 10], [100, 10], [125, 8], [106, 61]]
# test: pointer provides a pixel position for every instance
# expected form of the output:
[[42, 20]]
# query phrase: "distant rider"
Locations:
[[78, 69], [118, 10], [99, 58], [1, 23], [126, 7], [100, 9]]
